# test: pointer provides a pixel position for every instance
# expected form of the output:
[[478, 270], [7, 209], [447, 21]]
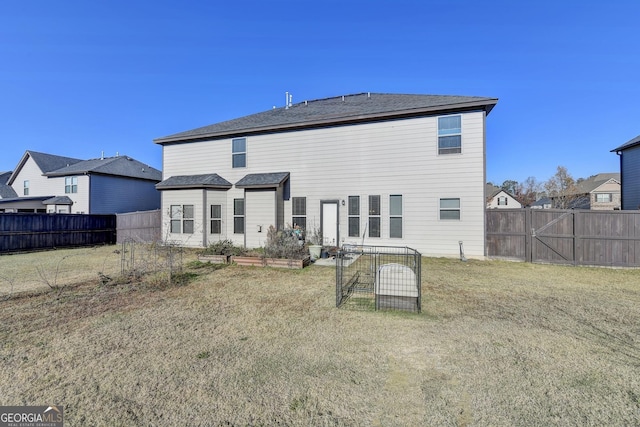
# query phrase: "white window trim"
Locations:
[[438, 135], [438, 210]]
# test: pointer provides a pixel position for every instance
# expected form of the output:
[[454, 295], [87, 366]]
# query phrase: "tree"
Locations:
[[510, 186], [528, 191], [562, 189]]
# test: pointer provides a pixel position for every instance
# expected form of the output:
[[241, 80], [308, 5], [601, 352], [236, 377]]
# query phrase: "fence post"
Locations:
[[528, 238]]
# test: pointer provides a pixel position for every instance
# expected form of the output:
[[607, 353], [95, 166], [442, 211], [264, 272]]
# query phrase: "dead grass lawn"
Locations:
[[497, 343]]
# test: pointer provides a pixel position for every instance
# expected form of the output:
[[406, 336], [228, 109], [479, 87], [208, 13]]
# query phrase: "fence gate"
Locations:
[[578, 237], [552, 237]]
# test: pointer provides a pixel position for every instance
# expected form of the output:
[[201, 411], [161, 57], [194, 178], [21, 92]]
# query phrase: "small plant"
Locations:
[[284, 244], [223, 247]]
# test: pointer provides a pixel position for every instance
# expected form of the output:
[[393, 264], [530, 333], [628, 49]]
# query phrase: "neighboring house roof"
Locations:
[[194, 181], [118, 166], [635, 141], [46, 162], [491, 190], [6, 191], [25, 199], [58, 200], [339, 110], [263, 180], [540, 203], [595, 181]]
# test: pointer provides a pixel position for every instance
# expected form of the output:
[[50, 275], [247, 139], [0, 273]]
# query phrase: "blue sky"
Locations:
[[78, 78]]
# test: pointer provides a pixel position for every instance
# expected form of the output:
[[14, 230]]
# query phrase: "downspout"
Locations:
[[619, 153]]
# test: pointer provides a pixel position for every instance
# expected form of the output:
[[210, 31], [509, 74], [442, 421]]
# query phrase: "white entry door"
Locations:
[[330, 223]]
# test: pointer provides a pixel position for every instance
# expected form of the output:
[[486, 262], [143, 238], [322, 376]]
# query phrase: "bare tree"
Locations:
[[528, 191], [562, 188]]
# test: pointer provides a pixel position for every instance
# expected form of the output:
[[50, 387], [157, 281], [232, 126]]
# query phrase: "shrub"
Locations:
[[223, 247], [284, 244]]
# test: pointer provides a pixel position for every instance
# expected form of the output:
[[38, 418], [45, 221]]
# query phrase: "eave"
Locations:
[[485, 105]]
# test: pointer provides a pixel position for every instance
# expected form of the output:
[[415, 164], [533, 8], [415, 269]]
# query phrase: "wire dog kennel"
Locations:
[[378, 278]]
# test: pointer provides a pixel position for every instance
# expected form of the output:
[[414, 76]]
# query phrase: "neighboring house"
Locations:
[[542, 203], [629, 153], [497, 198], [599, 192], [48, 183], [6, 191], [373, 169]]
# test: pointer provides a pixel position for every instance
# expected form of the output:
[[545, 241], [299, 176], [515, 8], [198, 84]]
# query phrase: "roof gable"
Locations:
[[334, 111], [593, 182], [45, 162]]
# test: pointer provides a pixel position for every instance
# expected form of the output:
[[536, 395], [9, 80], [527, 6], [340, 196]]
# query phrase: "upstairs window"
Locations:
[[604, 197], [502, 201], [71, 184], [354, 216], [374, 216], [239, 152], [299, 212], [450, 135], [25, 187]]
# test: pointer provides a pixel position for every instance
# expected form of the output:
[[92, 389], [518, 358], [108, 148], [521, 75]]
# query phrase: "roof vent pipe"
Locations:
[[102, 155], [286, 100], [369, 95]]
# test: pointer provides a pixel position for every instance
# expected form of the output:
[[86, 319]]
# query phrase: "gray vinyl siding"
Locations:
[[630, 172], [218, 197], [394, 157], [260, 213], [183, 197], [113, 194]]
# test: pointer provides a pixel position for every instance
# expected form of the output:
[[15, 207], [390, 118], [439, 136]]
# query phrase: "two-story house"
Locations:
[[56, 184], [370, 168], [598, 192], [629, 153]]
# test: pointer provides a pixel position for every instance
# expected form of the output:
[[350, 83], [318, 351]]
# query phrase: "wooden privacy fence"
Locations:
[[144, 227], [578, 237], [31, 231]]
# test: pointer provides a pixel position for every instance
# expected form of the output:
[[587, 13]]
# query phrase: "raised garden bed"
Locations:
[[215, 259], [271, 262]]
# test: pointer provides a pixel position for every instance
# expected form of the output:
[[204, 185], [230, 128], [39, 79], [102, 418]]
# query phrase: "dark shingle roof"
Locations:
[[194, 181], [595, 181], [51, 162], [6, 191], [635, 141], [263, 180], [118, 166], [58, 200], [333, 111]]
